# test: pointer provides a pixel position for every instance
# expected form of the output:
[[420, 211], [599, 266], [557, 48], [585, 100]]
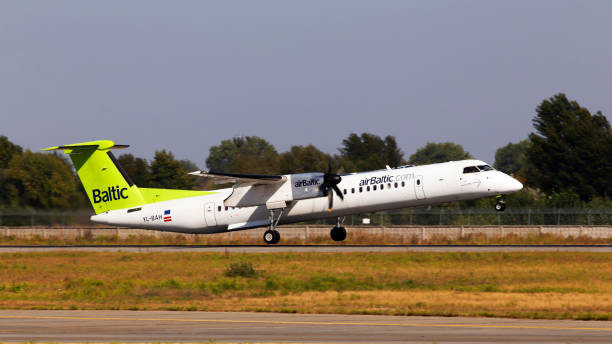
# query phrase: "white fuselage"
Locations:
[[363, 192]]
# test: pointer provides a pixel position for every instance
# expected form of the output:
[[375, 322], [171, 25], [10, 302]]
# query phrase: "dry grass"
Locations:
[[568, 285]]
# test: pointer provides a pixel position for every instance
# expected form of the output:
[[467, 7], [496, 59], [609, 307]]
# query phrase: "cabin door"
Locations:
[[209, 214], [418, 187]]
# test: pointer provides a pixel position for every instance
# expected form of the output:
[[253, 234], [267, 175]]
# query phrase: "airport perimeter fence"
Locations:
[[416, 216]]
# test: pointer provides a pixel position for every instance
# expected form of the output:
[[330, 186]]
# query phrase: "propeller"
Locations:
[[330, 182]]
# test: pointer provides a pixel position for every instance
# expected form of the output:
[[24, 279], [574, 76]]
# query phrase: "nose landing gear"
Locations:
[[500, 205]]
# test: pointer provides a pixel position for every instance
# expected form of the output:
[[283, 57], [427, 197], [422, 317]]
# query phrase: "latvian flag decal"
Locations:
[[167, 217]]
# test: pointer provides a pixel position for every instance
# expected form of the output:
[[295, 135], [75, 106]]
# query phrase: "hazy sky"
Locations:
[[184, 75]]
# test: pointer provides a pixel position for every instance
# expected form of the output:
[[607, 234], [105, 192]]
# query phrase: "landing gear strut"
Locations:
[[500, 205], [272, 236], [338, 233]]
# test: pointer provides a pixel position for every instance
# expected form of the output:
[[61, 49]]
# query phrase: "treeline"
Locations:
[[563, 163]]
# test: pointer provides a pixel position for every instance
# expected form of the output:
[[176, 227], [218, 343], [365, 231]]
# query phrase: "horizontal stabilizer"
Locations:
[[100, 145]]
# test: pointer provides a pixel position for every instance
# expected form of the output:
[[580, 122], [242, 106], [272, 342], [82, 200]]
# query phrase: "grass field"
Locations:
[[555, 285]]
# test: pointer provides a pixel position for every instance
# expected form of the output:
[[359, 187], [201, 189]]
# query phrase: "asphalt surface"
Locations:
[[138, 326], [310, 248]]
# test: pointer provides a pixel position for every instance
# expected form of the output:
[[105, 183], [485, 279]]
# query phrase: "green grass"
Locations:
[[573, 285]]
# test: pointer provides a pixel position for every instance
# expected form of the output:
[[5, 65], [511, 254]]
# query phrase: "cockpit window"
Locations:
[[471, 169], [485, 168]]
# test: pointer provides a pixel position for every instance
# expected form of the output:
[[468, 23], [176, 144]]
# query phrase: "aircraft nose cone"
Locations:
[[516, 185]]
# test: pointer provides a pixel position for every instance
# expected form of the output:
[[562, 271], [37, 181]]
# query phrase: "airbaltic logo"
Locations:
[[384, 179], [112, 194], [306, 182]]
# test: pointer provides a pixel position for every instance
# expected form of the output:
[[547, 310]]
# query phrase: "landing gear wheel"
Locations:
[[500, 206], [338, 233], [271, 237]]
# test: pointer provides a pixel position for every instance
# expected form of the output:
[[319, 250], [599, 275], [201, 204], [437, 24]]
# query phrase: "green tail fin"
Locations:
[[106, 183]]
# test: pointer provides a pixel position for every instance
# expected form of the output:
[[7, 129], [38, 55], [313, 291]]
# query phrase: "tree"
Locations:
[[249, 154], [7, 150], [167, 173], [433, 153], [370, 152], [512, 158], [42, 181], [570, 150], [188, 165], [137, 168], [301, 159]]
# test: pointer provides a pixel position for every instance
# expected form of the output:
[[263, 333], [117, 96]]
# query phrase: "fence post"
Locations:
[[382, 219], [588, 217], [469, 220], [529, 216], [441, 212]]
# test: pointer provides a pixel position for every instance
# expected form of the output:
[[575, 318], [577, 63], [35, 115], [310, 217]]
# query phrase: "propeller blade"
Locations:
[[338, 192], [330, 199]]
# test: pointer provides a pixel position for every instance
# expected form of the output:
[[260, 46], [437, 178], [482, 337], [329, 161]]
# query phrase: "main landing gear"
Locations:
[[272, 236], [500, 205], [338, 233]]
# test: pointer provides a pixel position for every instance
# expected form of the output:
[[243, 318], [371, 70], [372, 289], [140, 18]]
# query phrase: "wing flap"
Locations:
[[241, 179]]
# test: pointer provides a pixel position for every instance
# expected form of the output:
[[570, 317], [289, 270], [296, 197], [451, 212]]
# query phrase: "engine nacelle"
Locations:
[[296, 187]]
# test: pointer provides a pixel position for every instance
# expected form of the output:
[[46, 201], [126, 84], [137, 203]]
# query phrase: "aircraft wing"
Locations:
[[241, 179]]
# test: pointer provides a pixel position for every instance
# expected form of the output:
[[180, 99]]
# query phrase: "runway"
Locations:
[[157, 326], [309, 248]]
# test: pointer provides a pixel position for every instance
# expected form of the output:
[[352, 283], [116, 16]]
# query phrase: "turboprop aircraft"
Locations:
[[270, 200]]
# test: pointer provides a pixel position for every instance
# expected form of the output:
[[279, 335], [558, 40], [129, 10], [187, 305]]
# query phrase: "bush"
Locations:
[[243, 269]]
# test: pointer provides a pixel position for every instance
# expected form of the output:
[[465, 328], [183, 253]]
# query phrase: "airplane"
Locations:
[[269, 200]]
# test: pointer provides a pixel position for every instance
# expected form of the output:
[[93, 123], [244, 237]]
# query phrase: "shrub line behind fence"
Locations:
[[417, 216]]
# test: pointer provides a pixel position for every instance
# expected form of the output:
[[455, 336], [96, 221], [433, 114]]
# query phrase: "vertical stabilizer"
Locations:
[[107, 185]]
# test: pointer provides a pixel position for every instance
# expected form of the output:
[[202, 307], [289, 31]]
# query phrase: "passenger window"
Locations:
[[485, 168], [374, 187], [403, 184], [345, 191], [388, 185], [219, 208], [396, 185], [418, 182], [361, 189], [368, 188], [353, 190], [226, 208], [470, 169]]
